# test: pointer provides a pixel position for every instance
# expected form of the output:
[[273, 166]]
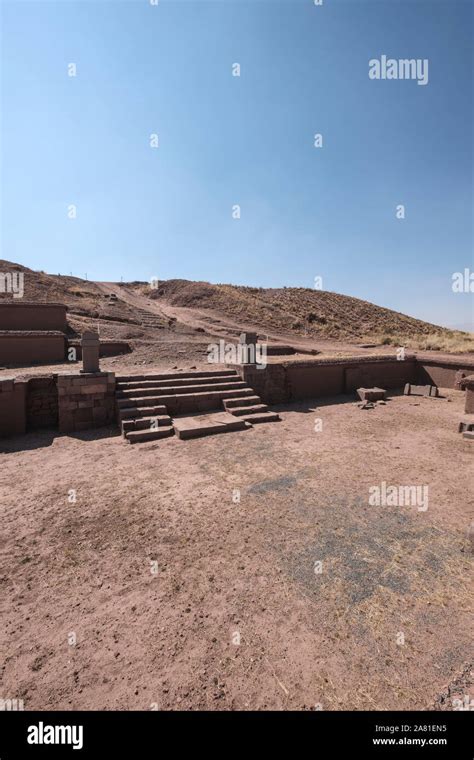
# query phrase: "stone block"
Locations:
[[371, 394], [83, 415], [420, 390], [80, 426], [66, 422], [69, 405], [469, 405], [91, 389], [466, 424]]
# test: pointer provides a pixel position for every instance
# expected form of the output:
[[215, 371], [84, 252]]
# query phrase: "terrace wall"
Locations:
[[442, 372], [33, 316], [41, 403], [294, 381], [12, 407], [79, 401], [33, 347]]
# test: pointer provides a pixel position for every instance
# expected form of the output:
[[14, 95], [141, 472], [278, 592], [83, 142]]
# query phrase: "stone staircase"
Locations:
[[145, 404], [149, 319], [250, 408]]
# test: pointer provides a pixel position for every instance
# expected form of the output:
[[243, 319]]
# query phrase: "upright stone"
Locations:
[[90, 352], [467, 384], [248, 347]]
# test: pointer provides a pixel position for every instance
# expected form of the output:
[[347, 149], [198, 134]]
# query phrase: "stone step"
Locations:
[[140, 436], [242, 401], [466, 424], [239, 411], [174, 375], [145, 423], [174, 390], [182, 381], [143, 411], [262, 417], [173, 401], [207, 424]]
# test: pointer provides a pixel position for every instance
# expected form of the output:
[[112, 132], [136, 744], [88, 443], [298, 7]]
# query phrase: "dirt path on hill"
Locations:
[[217, 325]]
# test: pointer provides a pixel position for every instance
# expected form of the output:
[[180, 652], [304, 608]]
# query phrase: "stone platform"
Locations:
[[208, 424]]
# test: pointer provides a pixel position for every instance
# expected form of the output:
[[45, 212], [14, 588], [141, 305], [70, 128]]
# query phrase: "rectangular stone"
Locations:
[[83, 415], [91, 389], [466, 425], [207, 424], [79, 426], [371, 394], [420, 390], [66, 422]]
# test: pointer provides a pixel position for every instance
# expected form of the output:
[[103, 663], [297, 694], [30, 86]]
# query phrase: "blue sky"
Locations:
[[248, 140]]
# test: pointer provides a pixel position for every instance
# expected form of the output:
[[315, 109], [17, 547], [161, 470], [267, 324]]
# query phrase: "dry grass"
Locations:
[[302, 311], [449, 341]]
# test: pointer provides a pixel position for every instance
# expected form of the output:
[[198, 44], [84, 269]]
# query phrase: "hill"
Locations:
[[188, 311], [300, 310]]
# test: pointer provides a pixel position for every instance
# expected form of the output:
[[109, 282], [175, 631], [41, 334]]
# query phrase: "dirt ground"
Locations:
[[185, 575]]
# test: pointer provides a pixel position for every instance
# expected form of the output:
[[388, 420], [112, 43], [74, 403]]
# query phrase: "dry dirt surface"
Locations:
[[185, 575]]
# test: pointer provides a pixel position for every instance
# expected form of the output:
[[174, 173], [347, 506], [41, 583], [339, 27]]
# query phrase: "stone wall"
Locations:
[[384, 373], [293, 381], [26, 348], [41, 403], [443, 372], [271, 383], [85, 401], [32, 316], [12, 407]]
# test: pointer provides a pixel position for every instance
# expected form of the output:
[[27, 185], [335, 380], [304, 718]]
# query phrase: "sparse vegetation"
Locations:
[[302, 312], [447, 341]]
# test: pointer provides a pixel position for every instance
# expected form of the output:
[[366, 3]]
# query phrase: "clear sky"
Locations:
[[166, 212]]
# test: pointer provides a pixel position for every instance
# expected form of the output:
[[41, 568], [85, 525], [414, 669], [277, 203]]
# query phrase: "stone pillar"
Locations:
[[248, 347], [90, 352], [85, 401], [467, 383]]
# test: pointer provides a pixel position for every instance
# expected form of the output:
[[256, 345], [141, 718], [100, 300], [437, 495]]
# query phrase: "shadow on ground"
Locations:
[[44, 438]]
